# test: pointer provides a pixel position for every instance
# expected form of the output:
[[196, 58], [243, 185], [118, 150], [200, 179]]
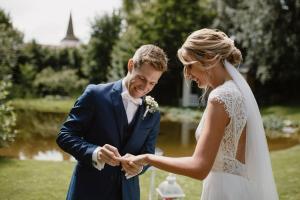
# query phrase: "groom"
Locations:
[[113, 120]]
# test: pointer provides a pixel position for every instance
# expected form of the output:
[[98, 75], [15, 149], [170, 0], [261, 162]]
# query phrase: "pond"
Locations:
[[38, 130]]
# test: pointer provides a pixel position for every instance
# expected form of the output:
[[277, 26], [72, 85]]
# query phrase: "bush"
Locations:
[[64, 82], [276, 126], [7, 116], [10, 41]]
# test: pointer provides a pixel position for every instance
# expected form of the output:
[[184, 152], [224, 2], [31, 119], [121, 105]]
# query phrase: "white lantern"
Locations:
[[169, 189], [159, 152]]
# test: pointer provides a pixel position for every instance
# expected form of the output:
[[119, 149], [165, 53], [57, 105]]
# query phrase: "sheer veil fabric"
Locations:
[[258, 163]]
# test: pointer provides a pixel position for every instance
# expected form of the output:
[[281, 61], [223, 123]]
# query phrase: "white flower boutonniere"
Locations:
[[151, 105]]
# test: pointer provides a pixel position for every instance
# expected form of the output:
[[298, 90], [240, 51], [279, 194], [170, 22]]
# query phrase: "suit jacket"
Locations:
[[98, 118]]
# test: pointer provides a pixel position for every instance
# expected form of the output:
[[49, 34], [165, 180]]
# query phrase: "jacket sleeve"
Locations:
[[71, 136]]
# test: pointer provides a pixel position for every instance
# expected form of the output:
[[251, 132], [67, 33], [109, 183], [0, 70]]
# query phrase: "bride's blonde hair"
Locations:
[[209, 46]]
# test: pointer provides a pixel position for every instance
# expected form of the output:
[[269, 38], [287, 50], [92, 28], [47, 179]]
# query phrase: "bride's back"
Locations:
[[231, 154]]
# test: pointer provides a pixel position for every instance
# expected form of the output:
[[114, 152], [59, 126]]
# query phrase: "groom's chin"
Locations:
[[137, 94]]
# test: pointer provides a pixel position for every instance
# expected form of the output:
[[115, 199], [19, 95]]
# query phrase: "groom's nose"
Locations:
[[147, 86]]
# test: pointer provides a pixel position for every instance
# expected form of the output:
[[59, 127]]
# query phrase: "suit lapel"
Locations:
[[119, 110]]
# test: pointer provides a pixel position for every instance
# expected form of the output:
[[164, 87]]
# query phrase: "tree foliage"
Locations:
[[165, 23], [105, 32], [268, 32], [10, 42], [64, 82], [7, 116], [34, 58]]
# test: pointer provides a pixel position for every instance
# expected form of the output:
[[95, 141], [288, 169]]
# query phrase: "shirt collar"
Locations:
[[124, 88]]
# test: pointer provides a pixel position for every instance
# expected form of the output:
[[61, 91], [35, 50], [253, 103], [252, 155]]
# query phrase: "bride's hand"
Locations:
[[135, 160]]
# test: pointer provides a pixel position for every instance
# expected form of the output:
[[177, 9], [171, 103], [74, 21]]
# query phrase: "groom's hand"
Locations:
[[108, 154], [130, 168]]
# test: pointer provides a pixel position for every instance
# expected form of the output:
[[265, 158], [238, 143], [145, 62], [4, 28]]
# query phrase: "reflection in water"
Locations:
[[49, 155], [36, 149], [177, 139], [185, 132], [52, 155], [174, 139], [22, 156]]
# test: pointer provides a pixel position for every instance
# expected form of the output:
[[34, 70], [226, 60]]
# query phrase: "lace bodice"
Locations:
[[229, 95]]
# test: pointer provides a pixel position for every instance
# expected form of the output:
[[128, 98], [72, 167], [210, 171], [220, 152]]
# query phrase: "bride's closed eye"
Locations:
[[189, 66]]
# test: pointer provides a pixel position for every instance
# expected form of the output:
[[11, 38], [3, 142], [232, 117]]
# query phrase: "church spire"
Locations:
[[70, 33], [70, 39]]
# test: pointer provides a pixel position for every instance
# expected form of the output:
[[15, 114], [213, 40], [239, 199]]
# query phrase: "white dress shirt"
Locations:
[[131, 105]]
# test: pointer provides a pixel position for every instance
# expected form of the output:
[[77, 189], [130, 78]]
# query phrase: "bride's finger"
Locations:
[[135, 164], [122, 159]]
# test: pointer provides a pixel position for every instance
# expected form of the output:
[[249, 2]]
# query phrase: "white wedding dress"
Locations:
[[228, 179]]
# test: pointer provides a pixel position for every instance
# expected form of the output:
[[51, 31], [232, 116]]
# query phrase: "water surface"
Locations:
[[175, 139]]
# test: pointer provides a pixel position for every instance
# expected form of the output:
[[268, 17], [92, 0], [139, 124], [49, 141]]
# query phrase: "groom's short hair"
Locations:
[[152, 55]]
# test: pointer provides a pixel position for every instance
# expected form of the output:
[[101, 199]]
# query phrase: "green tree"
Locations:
[[7, 116], [63, 82], [268, 33], [121, 52], [44, 56], [10, 43], [34, 58], [105, 32], [34, 54], [165, 23]]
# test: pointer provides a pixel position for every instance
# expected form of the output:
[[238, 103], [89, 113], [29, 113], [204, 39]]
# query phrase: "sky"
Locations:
[[46, 21]]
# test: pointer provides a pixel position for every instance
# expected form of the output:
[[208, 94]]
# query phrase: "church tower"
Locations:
[[70, 40]]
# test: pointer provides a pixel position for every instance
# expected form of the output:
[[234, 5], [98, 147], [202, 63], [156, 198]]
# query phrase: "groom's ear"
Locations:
[[130, 65]]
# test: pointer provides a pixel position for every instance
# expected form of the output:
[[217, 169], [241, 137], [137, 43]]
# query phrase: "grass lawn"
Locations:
[[168, 113], [44, 105], [49, 180]]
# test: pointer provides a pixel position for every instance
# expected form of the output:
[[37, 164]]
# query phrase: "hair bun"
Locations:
[[235, 57]]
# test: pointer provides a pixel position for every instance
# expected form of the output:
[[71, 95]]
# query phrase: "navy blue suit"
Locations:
[[98, 118]]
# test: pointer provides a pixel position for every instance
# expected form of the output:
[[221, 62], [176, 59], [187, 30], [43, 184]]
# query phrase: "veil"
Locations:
[[258, 163]]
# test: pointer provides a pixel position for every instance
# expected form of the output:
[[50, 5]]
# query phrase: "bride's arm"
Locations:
[[200, 163]]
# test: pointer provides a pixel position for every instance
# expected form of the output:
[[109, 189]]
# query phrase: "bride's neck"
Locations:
[[220, 76]]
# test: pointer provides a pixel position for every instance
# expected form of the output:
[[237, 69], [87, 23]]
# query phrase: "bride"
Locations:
[[231, 154]]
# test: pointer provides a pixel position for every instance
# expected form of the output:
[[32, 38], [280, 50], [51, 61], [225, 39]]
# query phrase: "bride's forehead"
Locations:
[[185, 57]]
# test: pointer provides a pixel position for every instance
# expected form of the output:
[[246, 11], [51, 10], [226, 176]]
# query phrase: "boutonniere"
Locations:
[[151, 105]]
